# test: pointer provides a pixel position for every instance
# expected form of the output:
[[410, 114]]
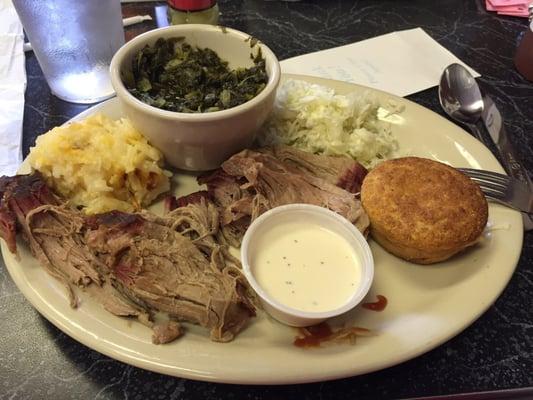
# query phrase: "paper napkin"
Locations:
[[515, 8], [401, 63], [12, 87]]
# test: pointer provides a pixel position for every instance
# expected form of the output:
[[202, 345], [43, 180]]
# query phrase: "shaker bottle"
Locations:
[[74, 42], [193, 12]]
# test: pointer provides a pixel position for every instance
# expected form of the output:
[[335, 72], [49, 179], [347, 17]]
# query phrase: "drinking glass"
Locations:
[[74, 42]]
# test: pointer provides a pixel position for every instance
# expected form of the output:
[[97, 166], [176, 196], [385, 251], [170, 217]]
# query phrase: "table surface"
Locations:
[[495, 352]]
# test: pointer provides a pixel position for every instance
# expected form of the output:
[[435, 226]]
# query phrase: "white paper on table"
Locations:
[[401, 63], [12, 87], [12, 103], [12, 70], [10, 20]]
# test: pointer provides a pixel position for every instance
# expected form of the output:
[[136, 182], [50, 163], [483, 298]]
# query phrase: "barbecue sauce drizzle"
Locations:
[[378, 305], [312, 336]]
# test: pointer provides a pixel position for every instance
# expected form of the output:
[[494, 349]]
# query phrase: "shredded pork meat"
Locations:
[[254, 181], [136, 264]]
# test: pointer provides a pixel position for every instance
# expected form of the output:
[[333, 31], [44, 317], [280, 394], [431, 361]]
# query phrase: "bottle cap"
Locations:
[[191, 5]]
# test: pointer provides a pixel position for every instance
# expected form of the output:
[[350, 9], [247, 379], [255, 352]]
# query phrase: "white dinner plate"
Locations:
[[427, 304]]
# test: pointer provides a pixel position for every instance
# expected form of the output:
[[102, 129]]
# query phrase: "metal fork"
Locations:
[[502, 188]]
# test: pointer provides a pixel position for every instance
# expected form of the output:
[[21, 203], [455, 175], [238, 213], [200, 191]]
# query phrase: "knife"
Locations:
[[494, 124]]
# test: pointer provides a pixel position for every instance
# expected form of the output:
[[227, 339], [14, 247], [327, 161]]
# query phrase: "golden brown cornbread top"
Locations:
[[423, 203]]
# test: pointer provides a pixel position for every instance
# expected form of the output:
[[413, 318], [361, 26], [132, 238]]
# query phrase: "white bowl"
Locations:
[[323, 219], [199, 141]]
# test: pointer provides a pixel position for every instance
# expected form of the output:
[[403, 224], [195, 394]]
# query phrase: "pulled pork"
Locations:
[[252, 182], [138, 264], [134, 264]]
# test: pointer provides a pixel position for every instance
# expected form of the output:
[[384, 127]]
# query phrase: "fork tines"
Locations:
[[493, 184], [488, 176]]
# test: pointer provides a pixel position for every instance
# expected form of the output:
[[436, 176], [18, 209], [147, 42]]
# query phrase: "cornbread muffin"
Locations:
[[422, 210]]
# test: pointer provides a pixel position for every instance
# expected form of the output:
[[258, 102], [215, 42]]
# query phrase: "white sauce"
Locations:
[[306, 267]]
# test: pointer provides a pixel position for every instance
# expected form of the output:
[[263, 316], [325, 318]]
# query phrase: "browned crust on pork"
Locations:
[[422, 210]]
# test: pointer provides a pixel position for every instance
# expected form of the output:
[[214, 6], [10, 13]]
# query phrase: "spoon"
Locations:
[[461, 99]]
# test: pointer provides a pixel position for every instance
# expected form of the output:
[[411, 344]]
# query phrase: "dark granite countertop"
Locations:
[[495, 352]]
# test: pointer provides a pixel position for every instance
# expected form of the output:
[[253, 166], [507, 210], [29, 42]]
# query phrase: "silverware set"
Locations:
[[462, 99]]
